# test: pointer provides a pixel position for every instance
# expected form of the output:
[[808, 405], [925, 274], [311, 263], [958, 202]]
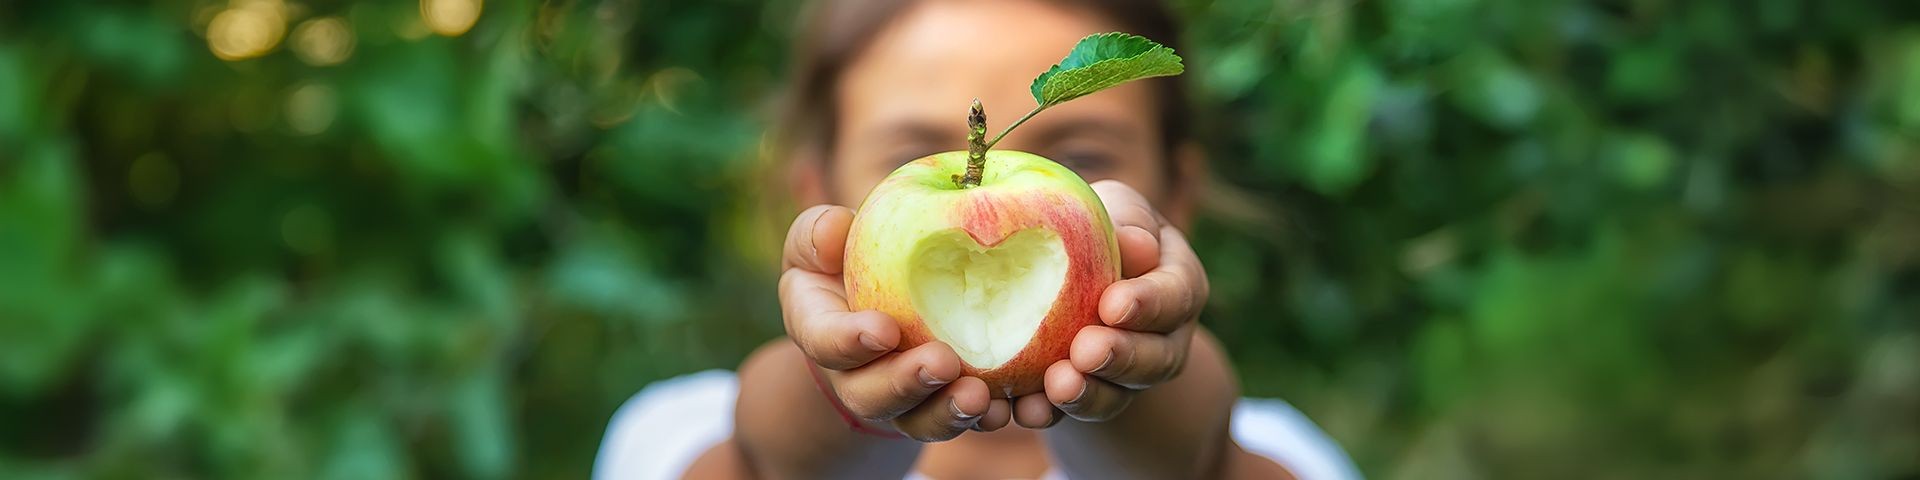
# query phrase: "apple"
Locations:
[[1005, 269], [1000, 254]]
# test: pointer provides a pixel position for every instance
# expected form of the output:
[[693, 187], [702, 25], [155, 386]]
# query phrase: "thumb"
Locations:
[[1136, 226]]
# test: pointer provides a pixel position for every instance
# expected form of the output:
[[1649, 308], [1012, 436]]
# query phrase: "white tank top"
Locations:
[[659, 432]]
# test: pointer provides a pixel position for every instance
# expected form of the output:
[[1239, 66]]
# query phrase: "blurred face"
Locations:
[[906, 96]]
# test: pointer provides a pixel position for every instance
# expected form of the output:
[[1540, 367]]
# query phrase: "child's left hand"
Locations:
[[1148, 320]]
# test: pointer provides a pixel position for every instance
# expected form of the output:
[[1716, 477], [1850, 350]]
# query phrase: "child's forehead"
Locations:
[[924, 68], [972, 44]]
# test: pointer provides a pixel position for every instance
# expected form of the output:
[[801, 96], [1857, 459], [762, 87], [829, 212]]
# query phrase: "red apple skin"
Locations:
[[989, 216]]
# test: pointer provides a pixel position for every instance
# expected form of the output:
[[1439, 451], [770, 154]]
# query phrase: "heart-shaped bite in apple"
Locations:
[[985, 302], [1005, 272]]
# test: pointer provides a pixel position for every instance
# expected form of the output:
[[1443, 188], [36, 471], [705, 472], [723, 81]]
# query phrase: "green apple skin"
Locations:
[[1019, 191]]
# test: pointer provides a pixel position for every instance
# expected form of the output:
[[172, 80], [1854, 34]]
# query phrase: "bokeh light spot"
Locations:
[[668, 83], [450, 17], [323, 41], [247, 29], [311, 108]]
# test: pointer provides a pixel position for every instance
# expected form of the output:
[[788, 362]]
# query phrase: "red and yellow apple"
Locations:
[[1005, 272]]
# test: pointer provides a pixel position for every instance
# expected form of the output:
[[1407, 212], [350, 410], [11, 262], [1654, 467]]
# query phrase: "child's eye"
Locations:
[[902, 156], [1085, 161]]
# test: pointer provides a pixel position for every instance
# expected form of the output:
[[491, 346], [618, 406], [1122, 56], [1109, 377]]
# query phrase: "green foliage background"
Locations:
[[1471, 238]]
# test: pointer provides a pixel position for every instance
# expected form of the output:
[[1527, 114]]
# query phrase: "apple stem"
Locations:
[[976, 148], [1016, 124]]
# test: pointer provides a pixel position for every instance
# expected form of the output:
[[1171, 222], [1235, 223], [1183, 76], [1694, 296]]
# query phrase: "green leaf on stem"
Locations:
[[1102, 61]]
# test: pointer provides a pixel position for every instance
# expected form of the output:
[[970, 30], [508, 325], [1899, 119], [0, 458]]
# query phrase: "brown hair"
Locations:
[[833, 32]]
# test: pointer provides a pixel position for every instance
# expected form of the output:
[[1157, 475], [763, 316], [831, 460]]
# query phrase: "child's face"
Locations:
[[906, 96]]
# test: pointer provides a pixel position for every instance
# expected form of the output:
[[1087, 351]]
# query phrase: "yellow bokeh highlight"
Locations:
[[323, 41], [450, 17], [311, 108], [247, 29]]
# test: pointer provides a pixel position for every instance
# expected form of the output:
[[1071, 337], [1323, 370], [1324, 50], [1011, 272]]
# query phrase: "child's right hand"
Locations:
[[918, 392]]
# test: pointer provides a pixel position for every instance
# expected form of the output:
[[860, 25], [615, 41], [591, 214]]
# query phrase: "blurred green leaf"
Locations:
[[1470, 238], [1334, 155], [482, 438]]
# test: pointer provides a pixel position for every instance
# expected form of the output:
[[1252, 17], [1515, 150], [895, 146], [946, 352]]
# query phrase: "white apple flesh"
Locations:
[[1005, 272]]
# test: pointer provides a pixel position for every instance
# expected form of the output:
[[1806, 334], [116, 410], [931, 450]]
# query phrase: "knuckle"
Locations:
[[899, 390], [863, 408], [1176, 360], [1188, 306], [812, 352], [1133, 367], [822, 355], [1159, 374], [1170, 299], [789, 281], [1129, 356], [1198, 288], [1178, 365], [1182, 296], [813, 355]]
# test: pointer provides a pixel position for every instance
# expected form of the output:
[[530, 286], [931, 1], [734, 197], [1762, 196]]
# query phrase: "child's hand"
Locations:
[[918, 392], [1149, 320]]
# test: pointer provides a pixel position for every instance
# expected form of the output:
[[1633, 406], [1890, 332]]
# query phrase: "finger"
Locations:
[[1131, 359], [1164, 299], [889, 387], [817, 241], [1139, 251], [1136, 226], [1035, 412], [1082, 397], [948, 413], [999, 414], [814, 308]]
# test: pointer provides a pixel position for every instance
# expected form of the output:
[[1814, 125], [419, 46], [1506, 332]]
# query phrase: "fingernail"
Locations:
[[1143, 230], [812, 249], [963, 416], [1108, 362], [1126, 316], [927, 378], [871, 342], [1079, 396]]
